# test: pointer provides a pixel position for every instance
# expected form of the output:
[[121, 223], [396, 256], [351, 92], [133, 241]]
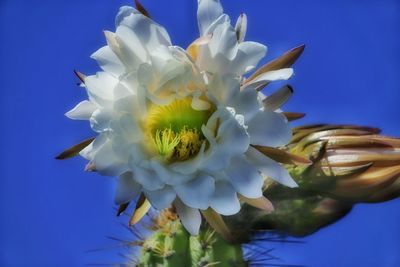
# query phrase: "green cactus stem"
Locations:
[[297, 213], [171, 245]]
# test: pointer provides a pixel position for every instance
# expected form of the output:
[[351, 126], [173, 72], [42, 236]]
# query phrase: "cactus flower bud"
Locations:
[[350, 163]]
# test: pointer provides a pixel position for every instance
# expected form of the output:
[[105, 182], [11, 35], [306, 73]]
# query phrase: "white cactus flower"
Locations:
[[181, 126]]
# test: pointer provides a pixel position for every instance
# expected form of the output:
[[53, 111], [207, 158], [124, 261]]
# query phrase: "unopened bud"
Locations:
[[349, 163]]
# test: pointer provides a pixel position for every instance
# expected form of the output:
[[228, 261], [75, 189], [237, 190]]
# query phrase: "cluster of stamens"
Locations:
[[175, 130]]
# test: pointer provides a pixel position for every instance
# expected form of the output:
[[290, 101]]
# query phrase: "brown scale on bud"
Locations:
[[349, 162]]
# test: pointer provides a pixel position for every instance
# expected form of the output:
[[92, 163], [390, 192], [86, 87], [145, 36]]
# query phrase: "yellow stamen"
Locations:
[[177, 147], [165, 142], [175, 129], [189, 145]]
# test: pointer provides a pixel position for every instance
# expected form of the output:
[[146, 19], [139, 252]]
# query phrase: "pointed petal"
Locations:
[[74, 150], [270, 168], [278, 98], [245, 178], [217, 223], [89, 151], [241, 27], [247, 104], [223, 42], [165, 174], [231, 139], [82, 111], [282, 156], [142, 207], [259, 82], [208, 11], [269, 128], [225, 200], [108, 162], [161, 199], [147, 31], [248, 56], [285, 61], [127, 189], [141, 9], [122, 208], [80, 76], [190, 218], [147, 178], [132, 51], [100, 88], [292, 116], [197, 192], [100, 119], [261, 203], [108, 61], [219, 21]]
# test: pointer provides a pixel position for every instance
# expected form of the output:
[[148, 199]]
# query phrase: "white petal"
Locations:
[[122, 91], [127, 189], [247, 103], [217, 160], [107, 162], [231, 140], [127, 129], [89, 151], [241, 27], [224, 55], [220, 20], [82, 111], [224, 42], [232, 135], [197, 192], [100, 120], [132, 50], [225, 200], [190, 218], [161, 199], [108, 61], [128, 105], [147, 178], [248, 56], [100, 88], [269, 76], [208, 11], [226, 89], [148, 32], [218, 54], [268, 128], [126, 123], [270, 168], [123, 12], [245, 178], [167, 175]]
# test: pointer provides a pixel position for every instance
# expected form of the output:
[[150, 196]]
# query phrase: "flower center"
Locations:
[[175, 129]]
